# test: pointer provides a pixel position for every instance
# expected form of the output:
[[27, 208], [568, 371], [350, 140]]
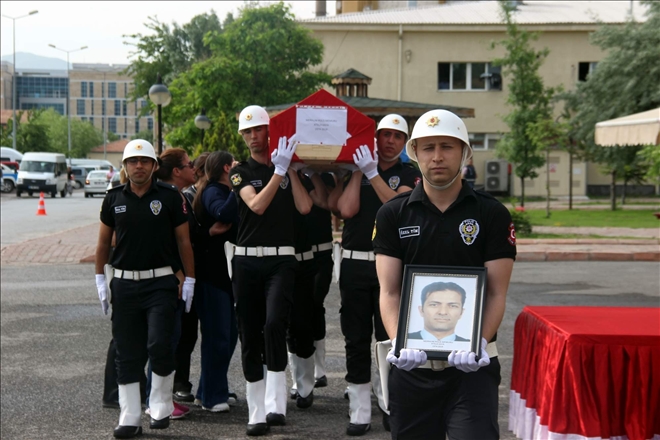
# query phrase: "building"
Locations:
[[441, 54], [100, 95], [112, 152]]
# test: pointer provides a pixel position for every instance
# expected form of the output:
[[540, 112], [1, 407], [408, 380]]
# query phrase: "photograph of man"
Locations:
[[442, 305]]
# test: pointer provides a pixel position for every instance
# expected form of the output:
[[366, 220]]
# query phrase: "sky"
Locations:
[[99, 25]]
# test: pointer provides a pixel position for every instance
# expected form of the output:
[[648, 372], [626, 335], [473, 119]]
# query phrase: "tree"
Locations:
[[528, 96], [147, 135], [624, 82], [84, 136], [33, 135]]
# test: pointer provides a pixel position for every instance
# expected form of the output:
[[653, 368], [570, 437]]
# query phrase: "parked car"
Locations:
[[115, 181], [79, 175], [8, 179], [96, 183], [13, 165]]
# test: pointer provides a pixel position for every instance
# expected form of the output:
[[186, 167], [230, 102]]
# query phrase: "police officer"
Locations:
[[151, 226], [380, 177], [449, 224], [264, 265]]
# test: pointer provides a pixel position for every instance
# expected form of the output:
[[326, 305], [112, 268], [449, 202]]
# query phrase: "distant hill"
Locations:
[[25, 60]]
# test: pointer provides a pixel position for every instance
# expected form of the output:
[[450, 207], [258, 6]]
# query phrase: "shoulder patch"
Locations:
[[236, 179]]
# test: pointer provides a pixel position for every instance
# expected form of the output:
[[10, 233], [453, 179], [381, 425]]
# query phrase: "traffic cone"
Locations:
[[42, 205]]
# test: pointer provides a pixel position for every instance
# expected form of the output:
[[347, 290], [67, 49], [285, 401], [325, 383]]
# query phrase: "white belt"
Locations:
[[138, 275], [491, 349], [358, 255], [264, 251], [309, 255], [322, 247]]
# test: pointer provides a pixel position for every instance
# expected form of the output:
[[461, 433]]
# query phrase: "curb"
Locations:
[[532, 256]]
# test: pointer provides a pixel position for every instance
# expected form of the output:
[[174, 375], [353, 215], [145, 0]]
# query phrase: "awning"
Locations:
[[638, 129]]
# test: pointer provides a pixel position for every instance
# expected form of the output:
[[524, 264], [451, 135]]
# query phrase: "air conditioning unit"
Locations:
[[496, 176]]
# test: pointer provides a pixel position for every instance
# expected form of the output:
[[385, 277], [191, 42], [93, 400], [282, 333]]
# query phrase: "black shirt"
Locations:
[[275, 226], [476, 228], [144, 225], [319, 221], [358, 229]]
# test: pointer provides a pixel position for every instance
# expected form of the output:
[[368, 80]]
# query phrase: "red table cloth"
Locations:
[[586, 373]]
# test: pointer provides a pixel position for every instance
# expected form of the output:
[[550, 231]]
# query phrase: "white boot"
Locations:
[[256, 396], [359, 396], [130, 404], [160, 397], [377, 388], [304, 375], [292, 367], [276, 392], [319, 359]]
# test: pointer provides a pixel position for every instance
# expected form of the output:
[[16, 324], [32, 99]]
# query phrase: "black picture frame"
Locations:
[[413, 312]]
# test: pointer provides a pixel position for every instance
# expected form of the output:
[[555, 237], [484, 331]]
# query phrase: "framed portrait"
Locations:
[[441, 309]]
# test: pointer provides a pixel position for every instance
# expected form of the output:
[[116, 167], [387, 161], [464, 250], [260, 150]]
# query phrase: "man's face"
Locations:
[[139, 169], [441, 311], [390, 144], [256, 138], [439, 158]]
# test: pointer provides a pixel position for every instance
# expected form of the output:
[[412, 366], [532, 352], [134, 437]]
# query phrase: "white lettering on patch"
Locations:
[[120, 209], [256, 183], [409, 231]]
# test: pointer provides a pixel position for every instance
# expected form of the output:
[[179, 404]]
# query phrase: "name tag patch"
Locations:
[[256, 183], [120, 209], [409, 231]]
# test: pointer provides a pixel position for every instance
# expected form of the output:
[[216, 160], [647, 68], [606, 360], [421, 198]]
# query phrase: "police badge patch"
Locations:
[[394, 182], [285, 182], [156, 206], [236, 179], [469, 230]]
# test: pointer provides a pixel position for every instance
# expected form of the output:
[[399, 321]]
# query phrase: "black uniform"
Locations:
[[143, 310], [475, 229], [358, 283], [263, 286]]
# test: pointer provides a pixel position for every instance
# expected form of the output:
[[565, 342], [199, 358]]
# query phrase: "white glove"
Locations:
[[188, 292], [103, 292], [466, 360], [408, 359], [282, 155], [365, 162]]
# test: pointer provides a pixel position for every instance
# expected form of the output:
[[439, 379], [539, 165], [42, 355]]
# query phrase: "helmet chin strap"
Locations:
[[464, 159], [394, 159]]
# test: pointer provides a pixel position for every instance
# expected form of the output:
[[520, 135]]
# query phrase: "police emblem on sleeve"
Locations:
[[236, 179], [285, 182], [156, 206], [394, 182], [469, 230], [512, 234]]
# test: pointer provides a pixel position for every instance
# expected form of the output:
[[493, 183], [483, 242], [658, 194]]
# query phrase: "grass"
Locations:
[[642, 218]]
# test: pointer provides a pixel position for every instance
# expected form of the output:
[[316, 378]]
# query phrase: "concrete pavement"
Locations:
[[79, 244]]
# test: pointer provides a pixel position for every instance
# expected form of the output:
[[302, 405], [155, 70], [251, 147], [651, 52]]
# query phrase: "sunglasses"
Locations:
[[142, 160], [189, 165]]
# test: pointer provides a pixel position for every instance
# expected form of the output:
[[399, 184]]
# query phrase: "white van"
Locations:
[[42, 172], [10, 155]]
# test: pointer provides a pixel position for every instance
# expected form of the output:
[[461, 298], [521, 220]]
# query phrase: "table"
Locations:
[[586, 373]]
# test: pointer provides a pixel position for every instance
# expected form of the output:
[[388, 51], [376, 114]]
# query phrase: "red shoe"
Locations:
[[179, 411]]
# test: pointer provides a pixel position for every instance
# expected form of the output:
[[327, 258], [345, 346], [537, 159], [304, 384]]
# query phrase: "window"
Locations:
[[150, 124], [117, 107], [80, 106], [84, 119], [91, 121], [112, 125], [103, 107], [83, 89], [91, 105], [125, 90], [112, 90], [102, 90], [484, 141], [469, 76], [584, 69], [91, 89], [123, 108], [137, 126], [125, 125]]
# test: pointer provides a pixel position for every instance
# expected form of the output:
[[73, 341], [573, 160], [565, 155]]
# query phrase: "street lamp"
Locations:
[[203, 123], [13, 75], [161, 96], [68, 92]]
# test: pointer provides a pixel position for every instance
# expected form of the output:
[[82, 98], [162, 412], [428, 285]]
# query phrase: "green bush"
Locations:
[[522, 222]]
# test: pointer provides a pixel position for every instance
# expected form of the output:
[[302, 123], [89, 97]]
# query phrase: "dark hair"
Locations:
[[200, 162], [167, 161], [214, 167], [440, 286]]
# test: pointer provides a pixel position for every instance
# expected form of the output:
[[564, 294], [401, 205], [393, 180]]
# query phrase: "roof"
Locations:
[[352, 73], [382, 107], [113, 147], [488, 13], [638, 129]]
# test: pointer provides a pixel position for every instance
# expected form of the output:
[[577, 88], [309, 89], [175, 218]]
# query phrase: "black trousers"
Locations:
[[322, 280], [426, 404], [263, 287], [300, 337], [143, 314], [110, 388], [184, 349], [359, 317]]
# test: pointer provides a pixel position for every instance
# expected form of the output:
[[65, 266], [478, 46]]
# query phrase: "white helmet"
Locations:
[[438, 123], [252, 116], [137, 148], [393, 122]]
